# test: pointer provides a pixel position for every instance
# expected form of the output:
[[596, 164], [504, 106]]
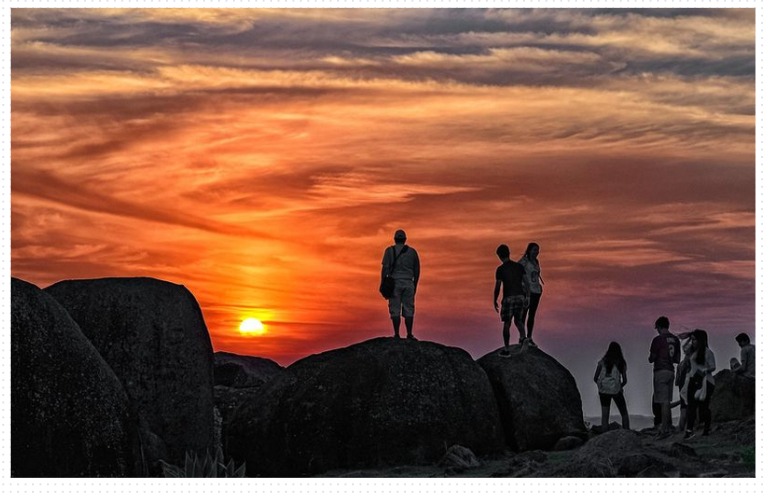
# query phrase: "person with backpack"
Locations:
[[400, 272], [611, 377], [701, 383]]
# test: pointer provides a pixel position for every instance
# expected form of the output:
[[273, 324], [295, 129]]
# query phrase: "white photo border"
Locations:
[[378, 486]]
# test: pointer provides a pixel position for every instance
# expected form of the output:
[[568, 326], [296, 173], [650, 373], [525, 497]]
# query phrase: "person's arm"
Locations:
[[385, 264], [652, 356], [624, 377], [597, 373], [526, 284], [496, 295], [710, 362], [416, 271], [743, 365]]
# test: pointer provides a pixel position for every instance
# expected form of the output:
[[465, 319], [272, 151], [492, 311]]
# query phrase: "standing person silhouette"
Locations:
[[701, 383], [512, 277], [401, 263], [530, 262], [611, 377], [665, 354]]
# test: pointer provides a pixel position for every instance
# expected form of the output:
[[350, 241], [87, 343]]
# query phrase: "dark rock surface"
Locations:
[[538, 399], [153, 336], [459, 458], [238, 371], [70, 415], [617, 453], [380, 402], [734, 397]]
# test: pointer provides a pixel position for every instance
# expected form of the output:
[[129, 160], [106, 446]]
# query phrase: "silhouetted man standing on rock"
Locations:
[[401, 263], [511, 275], [665, 353]]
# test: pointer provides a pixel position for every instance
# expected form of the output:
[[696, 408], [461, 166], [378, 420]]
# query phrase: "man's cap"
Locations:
[[400, 234]]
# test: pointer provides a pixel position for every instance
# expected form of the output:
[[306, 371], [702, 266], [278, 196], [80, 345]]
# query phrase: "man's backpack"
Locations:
[[609, 383], [387, 287]]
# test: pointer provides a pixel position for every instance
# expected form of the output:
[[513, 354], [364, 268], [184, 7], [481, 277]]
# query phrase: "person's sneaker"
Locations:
[[531, 343], [396, 336], [689, 435], [504, 353], [411, 338], [663, 435], [705, 433], [522, 340]]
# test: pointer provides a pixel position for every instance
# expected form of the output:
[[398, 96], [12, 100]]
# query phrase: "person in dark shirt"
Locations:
[[665, 354], [511, 276]]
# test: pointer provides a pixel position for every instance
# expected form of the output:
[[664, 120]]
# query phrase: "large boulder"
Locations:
[[619, 453], [238, 371], [380, 402], [538, 399], [70, 416], [734, 397], [153, 335]]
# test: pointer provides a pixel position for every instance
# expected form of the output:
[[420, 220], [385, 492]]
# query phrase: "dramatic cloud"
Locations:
[[264, 158]]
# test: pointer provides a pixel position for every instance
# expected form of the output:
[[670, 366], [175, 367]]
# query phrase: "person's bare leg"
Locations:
[[622, 406], [396, 326], [409, 326], [520, 324]]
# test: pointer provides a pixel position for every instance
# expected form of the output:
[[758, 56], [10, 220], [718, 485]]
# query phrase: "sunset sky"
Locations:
[[264, 158]]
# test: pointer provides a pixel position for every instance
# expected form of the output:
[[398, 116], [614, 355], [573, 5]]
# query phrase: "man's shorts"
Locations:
[[513, 306], [663, 386], [401, 301]]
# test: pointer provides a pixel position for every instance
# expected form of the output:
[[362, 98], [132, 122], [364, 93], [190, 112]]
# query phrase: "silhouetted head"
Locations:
[[400, 237], [614, 356], [502, 252], [742, 339], [532, 251], [662, 325], [699, 345]]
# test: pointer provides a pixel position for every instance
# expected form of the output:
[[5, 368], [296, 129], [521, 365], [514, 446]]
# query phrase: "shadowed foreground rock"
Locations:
[[618, 453], [153, 336], [380, 402], [70, 416], [734, 397], [538, 399]]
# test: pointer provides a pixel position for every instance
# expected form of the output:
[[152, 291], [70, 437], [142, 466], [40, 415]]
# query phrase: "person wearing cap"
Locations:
[[401, 262]]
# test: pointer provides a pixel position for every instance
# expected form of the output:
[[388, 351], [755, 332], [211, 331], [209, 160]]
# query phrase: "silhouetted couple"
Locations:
[[400, 269], [521, 285], [694, 378]]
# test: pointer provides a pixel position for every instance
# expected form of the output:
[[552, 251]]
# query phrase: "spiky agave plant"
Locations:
[[210, 466]]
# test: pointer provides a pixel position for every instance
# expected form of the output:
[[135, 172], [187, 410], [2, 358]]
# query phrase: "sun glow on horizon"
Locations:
[[251, 326]]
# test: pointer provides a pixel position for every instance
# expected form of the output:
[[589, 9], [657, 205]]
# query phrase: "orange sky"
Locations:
[[264, 158]]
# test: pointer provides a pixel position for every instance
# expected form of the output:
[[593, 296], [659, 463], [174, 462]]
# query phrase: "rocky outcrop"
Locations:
[[734, 397], [380, 402], [70, 416], [617, 453], [239, 371], [153, 336], [538, 399]]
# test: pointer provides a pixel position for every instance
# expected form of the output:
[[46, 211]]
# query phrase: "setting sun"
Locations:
[[252, 326]]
